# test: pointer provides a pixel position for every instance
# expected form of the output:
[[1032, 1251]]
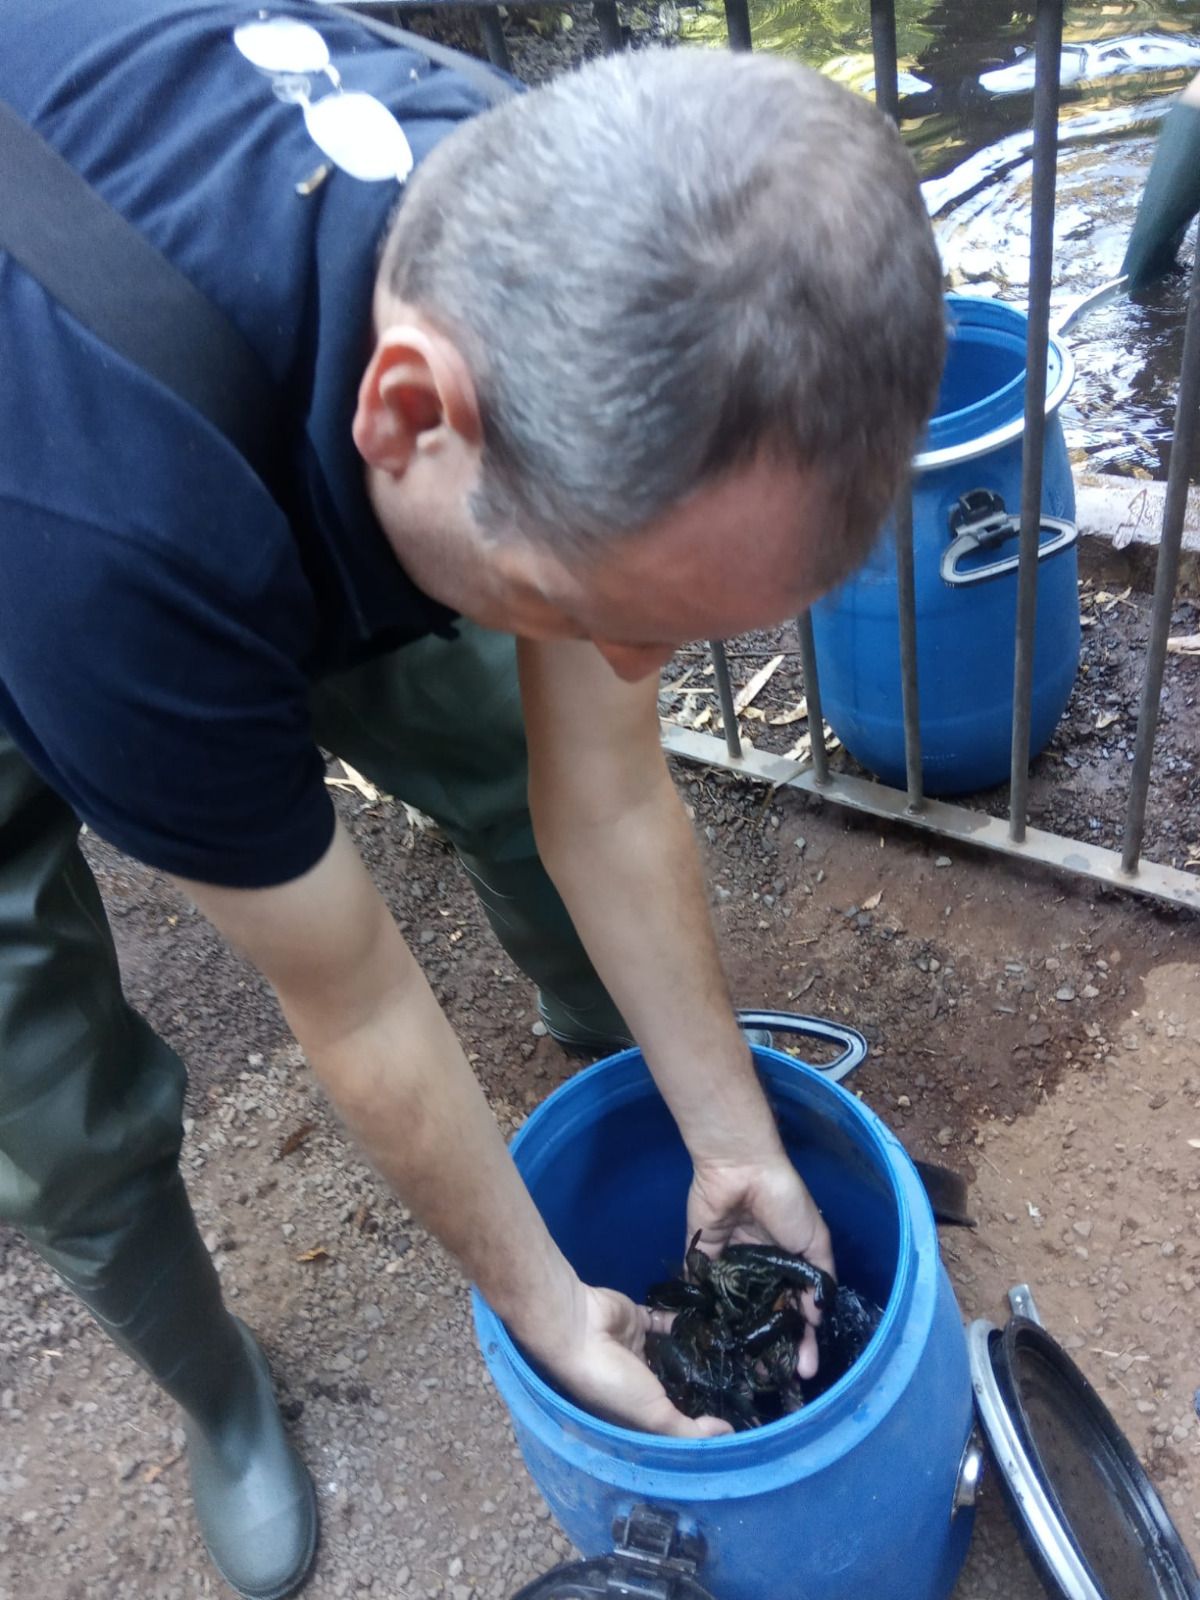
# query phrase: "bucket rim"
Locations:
[[996, 438], [728, 1451]]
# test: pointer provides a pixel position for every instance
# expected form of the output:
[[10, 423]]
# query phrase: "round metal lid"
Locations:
[[1090, 1518], [602, 1579]]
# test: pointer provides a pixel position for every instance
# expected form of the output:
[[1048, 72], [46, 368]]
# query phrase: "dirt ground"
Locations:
[[1043, 1038]]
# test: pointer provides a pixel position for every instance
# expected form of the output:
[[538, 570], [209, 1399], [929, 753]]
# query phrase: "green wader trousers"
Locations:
[[91, 1099]]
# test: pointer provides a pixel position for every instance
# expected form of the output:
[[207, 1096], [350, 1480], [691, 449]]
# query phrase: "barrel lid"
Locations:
[[1091, 1520], [651, 1560]]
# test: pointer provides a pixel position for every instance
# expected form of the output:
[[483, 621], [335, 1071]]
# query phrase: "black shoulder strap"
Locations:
[[477, 73], [86, 255]]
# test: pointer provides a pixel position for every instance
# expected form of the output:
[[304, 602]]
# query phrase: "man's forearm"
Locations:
[[631, 878], [407, 1094]]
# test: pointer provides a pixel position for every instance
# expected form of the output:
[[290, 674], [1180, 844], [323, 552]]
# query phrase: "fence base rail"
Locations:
[[1168, 884]]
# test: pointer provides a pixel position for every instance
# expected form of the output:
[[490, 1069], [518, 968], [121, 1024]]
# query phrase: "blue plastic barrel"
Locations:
[[854, 1495], [966, 506]]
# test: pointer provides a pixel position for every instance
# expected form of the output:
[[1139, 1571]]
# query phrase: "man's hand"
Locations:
[[600, 1361], [761, 1203]]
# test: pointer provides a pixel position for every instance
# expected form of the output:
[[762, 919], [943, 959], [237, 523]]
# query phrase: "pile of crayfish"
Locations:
[[738, 1323]]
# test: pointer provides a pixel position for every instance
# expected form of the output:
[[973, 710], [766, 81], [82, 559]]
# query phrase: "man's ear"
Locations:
[[417, 393]]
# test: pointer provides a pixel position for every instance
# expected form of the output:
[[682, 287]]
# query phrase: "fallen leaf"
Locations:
[[317, 1253], [763, 676], [796, 714], [705, 716], [355, 780], [1184, 644], [873, 900], [1106, 720], [153, 1473], [295, 1139], [753, 714]]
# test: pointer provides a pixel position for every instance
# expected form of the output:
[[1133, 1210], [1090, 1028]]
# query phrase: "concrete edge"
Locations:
[[1120, 522]]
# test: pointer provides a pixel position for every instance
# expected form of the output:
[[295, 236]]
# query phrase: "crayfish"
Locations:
[[738, 1324]]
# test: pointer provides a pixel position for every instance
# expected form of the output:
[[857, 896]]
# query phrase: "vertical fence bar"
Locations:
[[887, 98], [1179, 472], [609, 23], [733, 740], [906, 593], [1048, 43], [737, 20], [812, 694], [493, 39], [883, 41]]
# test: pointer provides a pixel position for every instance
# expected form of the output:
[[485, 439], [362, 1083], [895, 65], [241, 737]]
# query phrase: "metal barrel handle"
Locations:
[[855, 1046], [1092, 301], [1064, 536]]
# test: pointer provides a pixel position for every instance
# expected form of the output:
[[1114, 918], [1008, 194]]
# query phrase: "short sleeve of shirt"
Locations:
[[167, 707]]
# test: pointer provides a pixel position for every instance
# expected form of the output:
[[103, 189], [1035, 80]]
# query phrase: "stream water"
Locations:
[[966, 106]]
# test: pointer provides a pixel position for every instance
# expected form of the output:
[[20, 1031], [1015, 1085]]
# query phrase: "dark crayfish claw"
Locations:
[[787, 1323], [794, 1270], [676, 1295], [688, 1381]]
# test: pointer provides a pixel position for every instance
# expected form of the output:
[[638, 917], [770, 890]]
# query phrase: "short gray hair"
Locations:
[[665, 263]]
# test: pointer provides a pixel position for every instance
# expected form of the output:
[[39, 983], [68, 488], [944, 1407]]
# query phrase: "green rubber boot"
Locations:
[[1170, 199], [160, 1302]]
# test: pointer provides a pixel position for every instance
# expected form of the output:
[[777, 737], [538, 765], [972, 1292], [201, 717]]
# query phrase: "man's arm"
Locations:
[[377, 1040], [615, 839]]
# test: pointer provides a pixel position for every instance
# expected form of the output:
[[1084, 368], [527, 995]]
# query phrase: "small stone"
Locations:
[[942, 861], [801, 845], [903, 1102], [1083, 1229], [1168, 1249], [1065, 993], [539, 1030], [945, 1136], [1090, 991]]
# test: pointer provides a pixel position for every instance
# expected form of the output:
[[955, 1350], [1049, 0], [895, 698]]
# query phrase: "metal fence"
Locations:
[[1012, 836]]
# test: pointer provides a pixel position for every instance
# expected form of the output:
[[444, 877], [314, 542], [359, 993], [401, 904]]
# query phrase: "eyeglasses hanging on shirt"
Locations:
[[355, 131]]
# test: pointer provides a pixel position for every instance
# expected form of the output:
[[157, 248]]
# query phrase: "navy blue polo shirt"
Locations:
[[161, 622]]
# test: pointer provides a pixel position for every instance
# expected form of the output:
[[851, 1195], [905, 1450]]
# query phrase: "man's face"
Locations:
[[742, 553], [745, 551]]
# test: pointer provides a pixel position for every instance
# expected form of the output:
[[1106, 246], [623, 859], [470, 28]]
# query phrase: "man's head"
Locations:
[[654, 346]]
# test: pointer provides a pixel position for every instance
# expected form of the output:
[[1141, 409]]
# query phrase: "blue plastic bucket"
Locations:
[[853, 1495], [967, 475]]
